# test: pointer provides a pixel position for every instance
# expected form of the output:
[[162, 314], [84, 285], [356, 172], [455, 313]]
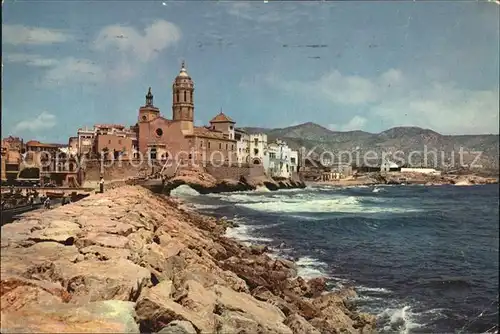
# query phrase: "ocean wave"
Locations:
[[349, 204], [245, 233], [367, 289], [308, 267], [183, 191], [397, 320], [200, 206]]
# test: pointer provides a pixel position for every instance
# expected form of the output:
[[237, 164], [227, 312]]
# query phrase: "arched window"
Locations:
[[185, 96], [177, 96], [191, 97]]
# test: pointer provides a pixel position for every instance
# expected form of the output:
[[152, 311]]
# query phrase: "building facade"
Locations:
[[11, 158], [283, 161], [242, 146]]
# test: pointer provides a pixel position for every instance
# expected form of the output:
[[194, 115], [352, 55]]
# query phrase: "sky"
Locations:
[[349, 65]]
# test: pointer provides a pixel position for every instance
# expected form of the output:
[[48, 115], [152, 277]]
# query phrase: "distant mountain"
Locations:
[[405, 139]]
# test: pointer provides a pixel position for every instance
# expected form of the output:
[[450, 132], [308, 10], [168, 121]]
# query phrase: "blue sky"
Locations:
[[375, 65]]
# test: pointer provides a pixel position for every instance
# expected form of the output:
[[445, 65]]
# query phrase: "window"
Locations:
[[177, 96], [109, 141], [220, 146], [201, 143], [119, 141], [230, 127], [255, 151], [185, 96], [191, 99], [208, 144], [293, 160], [232, 147], [226, 147], [190, 156], [256, 141], [159, 132]]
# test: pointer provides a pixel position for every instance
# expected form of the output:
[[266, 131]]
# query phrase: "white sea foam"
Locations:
[[398, 320], [367, 289], [244, 233], [308, 267], [183, 191], [348, 204], [377, 190], [262, 189]]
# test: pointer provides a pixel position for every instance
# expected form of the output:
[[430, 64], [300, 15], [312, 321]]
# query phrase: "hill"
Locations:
[[440, 149]]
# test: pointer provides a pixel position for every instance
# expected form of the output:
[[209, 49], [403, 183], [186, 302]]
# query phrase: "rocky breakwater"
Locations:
[[129, 260], [204, 183]]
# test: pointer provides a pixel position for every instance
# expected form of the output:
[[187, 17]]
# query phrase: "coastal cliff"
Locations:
[[129, 260]]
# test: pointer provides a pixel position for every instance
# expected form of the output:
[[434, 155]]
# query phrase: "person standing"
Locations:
[[101, 185]]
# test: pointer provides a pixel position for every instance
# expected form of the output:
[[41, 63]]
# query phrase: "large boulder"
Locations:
[[156, 308], [264, 314], [93, 280], [110, 316]]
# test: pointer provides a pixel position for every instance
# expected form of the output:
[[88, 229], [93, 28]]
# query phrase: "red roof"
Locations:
[[36, 143], [221, 118]]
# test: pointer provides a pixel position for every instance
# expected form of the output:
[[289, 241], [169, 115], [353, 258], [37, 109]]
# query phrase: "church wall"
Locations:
[[171, 137], [123, 170]]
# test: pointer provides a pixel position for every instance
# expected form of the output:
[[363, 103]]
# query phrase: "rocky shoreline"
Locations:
[[204, 183], [131, 261], [374, 179]]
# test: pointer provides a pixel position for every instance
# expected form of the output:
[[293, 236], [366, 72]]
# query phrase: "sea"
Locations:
[[423, 259]]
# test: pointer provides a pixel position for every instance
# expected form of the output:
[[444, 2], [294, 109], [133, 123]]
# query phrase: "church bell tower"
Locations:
[[148, 112], [182, 100]]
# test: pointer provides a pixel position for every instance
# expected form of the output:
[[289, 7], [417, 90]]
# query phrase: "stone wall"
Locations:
[[122, 170], [133, 168], [235, 171]]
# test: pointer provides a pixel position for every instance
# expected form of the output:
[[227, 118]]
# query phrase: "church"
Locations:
[[178, 138]]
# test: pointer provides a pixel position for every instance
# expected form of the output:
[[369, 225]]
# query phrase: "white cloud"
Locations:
[[30, 59], [19, 34], [356, 123], [43, 121], [67, 70], [394, 100], [75, 71], [144, 46]]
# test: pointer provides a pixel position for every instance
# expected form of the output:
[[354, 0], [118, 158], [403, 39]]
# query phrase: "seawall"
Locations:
[[132, 261]]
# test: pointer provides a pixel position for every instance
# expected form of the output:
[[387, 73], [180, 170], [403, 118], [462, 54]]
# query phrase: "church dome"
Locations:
[[183, 74]]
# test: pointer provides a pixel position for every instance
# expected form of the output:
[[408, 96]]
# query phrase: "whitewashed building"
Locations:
[[430, 171], [389, 166], [283, 161], [258, 149], [242, 145], [252, 149]]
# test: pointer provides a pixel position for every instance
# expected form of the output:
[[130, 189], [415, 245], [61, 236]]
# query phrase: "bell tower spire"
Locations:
[[149, 98], [148, 112], [182, 100]]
